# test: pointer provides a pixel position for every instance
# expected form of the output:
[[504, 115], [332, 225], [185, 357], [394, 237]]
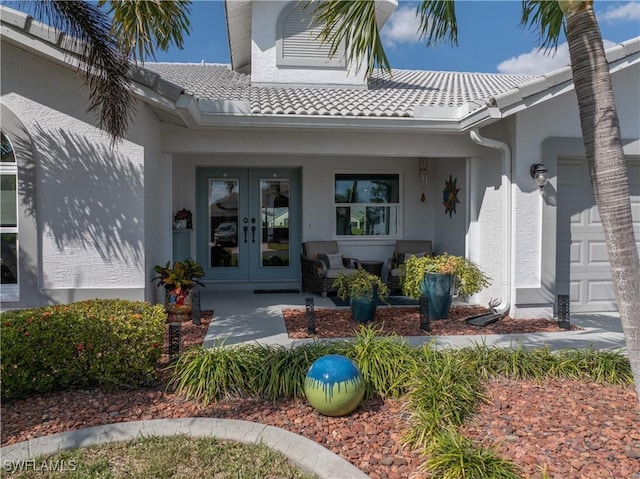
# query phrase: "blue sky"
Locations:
[[490, 38]]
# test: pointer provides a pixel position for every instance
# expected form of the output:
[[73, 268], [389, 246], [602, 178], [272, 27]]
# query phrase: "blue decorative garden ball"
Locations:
[[334, 385]]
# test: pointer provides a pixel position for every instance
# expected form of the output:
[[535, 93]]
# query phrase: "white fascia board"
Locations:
[[616, 53], [39, 48], [153, 98], [224, 107], [533, 87], [15, 17], [439, 112], [314, 121], [45, 32], [52, 53], [480, 118], [625, 62], [534, 100], [508, 98], [531, 98], [558, 77]]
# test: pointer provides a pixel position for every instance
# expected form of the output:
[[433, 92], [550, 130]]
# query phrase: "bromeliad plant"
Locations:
[[360, 284], [468, 278], [182, 277]]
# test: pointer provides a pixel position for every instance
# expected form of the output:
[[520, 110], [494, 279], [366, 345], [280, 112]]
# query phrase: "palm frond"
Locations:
[[438, 21], [105, 67], [140, 27], [546, 19], [355, 24]]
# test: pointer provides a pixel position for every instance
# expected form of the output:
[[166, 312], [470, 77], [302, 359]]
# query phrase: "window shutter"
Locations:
[[299, 37], [298, 41]]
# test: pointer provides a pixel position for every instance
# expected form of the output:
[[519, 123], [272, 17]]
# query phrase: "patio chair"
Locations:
[[404, 249], [321, 264]]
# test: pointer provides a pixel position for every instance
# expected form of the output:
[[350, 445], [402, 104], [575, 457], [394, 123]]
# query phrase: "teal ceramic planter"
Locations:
[[438, 288], [363, 309]]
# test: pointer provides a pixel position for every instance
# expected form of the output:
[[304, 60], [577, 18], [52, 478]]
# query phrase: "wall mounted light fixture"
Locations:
[[539, 174]]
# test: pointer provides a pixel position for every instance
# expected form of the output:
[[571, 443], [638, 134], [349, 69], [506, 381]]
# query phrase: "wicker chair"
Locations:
[[404, 249], [321, 264]]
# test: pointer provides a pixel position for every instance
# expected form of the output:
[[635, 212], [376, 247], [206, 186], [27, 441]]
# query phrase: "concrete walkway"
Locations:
[[244, 317]]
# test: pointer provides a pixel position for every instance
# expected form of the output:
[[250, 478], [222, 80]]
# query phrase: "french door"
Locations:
[[248, 224]]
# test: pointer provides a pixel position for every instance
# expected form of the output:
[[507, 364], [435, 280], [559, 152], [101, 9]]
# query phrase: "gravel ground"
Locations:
[[571, 429], [405, 321]]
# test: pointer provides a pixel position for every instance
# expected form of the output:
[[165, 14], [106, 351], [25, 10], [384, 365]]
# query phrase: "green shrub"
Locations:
[[91, 343], [386, 362], [453, 456], [283, 370], [604, 367], [445, 390], [273, 372], [210, 374]]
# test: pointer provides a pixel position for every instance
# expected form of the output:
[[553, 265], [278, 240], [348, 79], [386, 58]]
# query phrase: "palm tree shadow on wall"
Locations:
[[91, 197]]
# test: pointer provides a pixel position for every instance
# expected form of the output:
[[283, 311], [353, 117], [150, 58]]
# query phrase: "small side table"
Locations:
[[373, 267]]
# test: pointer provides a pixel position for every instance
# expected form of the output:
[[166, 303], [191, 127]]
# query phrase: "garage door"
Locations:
[[582, 260]]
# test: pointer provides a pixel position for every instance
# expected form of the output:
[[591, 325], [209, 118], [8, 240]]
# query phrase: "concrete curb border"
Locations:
[[304, 452]]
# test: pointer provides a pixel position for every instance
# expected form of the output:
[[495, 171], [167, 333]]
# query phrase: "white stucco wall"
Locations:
[[557, 119], [317, 175], [90, 193], [320, 154], [486, 240], [449, 231], [264, 69]]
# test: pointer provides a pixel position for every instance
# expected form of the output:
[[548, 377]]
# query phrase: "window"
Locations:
[[297, 42], [367, 204], [8, 222]]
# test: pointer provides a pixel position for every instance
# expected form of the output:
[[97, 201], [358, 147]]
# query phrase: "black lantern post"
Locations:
[[424, 314], [564, 313], [175, 340], [311, 315]]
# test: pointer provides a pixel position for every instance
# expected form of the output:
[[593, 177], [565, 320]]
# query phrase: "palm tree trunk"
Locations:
[[601, 132]]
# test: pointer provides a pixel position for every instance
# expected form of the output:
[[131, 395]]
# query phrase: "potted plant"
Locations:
[[438, 277], [363, 289], [178, 282]]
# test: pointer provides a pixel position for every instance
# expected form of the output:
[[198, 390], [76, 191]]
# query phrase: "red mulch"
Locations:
[[405, 321], [573, 429]]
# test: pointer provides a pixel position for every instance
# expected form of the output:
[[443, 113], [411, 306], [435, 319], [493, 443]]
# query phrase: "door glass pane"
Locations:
[[9, 263], [274, 208], [223, 227]]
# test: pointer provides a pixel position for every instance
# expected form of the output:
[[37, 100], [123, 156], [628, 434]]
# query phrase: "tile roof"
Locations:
[[406, 94], [386, 96]]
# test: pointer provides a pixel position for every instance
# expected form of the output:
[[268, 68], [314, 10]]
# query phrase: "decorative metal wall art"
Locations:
[[450, 196]]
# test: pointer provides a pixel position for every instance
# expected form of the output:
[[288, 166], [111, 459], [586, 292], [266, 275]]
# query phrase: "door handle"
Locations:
[[245, 229], [253, 234]]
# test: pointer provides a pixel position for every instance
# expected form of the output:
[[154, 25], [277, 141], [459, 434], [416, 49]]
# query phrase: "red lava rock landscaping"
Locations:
[[405, 321], [573, 429]]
